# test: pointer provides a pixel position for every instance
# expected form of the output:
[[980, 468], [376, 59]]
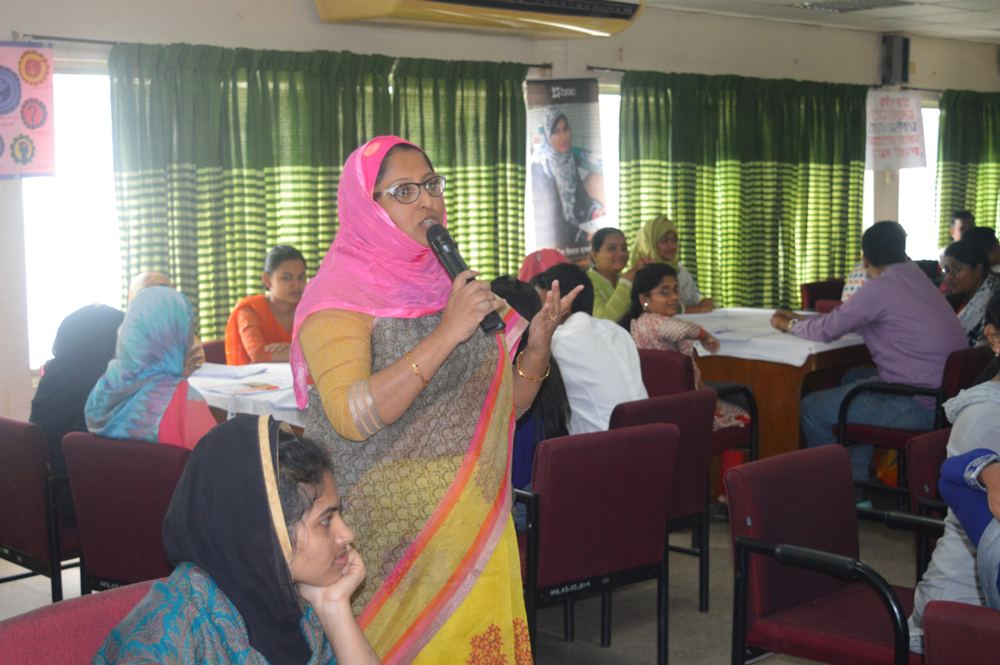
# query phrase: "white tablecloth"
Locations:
[[746, 333], [259, 389]]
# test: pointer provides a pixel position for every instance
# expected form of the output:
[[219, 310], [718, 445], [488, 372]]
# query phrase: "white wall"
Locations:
[[661, 40]]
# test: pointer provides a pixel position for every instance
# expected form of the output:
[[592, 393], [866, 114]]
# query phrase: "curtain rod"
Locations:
[[24, 37], [592, 68]]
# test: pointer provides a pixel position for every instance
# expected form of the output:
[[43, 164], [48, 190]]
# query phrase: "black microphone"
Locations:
[[447, 252]]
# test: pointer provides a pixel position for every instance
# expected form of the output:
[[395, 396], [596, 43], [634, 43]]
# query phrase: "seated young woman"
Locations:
[[84, 344], [654, 302], [968, 276], [548, 416], [144, 393], [259, 329], [608, 256], [657, 242], [265, 567]]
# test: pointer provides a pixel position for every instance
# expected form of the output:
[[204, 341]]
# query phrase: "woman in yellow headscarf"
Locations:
[[657, 242]]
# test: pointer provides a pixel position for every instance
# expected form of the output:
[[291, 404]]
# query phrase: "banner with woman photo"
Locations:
[[566, 178]]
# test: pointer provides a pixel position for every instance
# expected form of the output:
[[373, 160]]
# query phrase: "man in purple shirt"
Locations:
[[910, 331]]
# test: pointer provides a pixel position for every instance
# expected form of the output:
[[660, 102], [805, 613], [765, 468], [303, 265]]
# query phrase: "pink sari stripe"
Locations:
[[447, 502]]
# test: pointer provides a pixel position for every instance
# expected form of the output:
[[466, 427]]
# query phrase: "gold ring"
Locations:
[[553, 317]]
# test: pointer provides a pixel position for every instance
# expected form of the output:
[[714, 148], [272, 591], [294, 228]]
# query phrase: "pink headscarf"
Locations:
[[372, 266], [538, 262]]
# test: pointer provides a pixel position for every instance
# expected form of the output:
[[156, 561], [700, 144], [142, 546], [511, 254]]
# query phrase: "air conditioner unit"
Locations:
[[535, 18]]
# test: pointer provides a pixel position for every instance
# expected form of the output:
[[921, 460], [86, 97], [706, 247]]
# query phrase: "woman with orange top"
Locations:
[[260, 328]]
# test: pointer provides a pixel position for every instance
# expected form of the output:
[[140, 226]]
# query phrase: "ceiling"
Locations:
[[967, 20]]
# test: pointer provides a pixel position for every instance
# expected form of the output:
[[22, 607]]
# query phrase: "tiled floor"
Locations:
[[695, 638]]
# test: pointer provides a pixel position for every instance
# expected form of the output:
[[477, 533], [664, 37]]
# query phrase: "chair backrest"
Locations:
[[121, 490], [666, 372], [215, 351], [824, 306], [692, 412], [805, 498], [24, 458], [830, 289], [924, 456], [68, 632], [603, 501], [960, 633], [962, 368]]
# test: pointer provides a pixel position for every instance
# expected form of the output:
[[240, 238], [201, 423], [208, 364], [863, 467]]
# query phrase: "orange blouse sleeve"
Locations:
[[251, 332]]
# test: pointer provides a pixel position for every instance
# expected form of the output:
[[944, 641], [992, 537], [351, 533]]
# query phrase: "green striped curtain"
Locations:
[[221, 153], [470, 119], [968, 168], [764, 178]]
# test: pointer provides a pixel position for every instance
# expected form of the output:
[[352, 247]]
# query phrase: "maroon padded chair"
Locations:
[[215, 351], [692, 412], [960, 372], [828, 290], [800, 589], [32, 533], [824, 306], [960, 633], [924, 456], [121, 490], [69, 632], [589, 537], [670, 372]]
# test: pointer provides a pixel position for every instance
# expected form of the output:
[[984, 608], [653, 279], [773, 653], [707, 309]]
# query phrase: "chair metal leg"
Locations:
[[740, 607], [606, 617], [662, 605], [569, 628], [55, 548], [703, 547]]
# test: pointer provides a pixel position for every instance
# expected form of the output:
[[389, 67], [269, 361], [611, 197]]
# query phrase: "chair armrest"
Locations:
[[524, 496], [835, 565], [899, 520], [927, 506], [883, 388]]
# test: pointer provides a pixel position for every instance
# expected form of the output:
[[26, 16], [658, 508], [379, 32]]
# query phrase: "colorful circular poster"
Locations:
[[34, 68], [33, 113], [10, 90], [22, 149]]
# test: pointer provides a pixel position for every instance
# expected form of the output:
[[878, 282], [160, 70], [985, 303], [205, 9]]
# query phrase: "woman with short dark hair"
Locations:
[[967, 273], [259, 329]]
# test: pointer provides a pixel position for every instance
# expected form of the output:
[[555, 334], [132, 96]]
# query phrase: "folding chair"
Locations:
[[121, 490], [597, 517], [692, 412], [32, 533]]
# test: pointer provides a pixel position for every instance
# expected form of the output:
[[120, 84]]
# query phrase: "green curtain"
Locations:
[[968, 168], [764, 178], [221, 153], [470, 118]]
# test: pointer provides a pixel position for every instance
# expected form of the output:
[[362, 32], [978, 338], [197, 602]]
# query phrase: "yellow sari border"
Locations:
[[271, 487]]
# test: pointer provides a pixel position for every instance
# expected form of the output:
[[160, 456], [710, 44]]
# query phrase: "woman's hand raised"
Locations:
[[468, 305], [544, 323]]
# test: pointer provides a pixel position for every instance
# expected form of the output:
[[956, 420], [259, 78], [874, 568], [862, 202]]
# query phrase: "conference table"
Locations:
[[258, 389], [776, 365]]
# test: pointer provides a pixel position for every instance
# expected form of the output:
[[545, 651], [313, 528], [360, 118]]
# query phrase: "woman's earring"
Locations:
[[645, 306]]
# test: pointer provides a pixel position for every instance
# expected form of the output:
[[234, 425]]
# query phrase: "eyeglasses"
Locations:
[[409, 192], [953, 268]]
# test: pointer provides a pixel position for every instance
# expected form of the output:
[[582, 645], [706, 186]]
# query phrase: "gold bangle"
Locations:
[[517, 365], [416, 369]]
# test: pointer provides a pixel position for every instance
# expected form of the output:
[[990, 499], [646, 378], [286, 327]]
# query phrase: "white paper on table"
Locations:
[[236, 389], [220, 371], [286, 401]]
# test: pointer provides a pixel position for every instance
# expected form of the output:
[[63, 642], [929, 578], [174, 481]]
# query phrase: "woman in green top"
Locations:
[[657, 242], [612, 288]]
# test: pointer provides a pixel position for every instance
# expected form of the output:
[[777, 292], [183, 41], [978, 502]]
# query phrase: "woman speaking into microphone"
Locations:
[[416, 407]]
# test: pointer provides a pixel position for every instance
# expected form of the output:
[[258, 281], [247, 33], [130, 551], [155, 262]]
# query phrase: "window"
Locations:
[[916, 196], [71, 242]]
